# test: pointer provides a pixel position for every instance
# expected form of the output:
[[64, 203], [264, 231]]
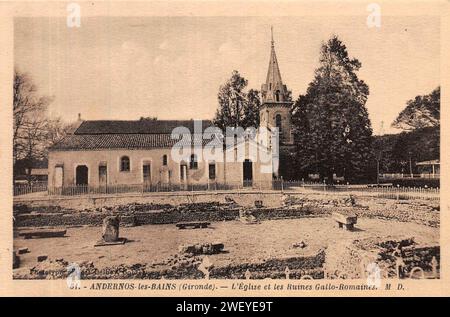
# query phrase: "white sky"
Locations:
[[125, 68]]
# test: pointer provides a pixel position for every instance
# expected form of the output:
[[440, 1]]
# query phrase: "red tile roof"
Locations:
[[119, 141], [144, 126]]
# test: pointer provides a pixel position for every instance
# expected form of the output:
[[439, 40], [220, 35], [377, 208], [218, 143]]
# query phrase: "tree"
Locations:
[[32, 145], [251, 109], [331, 126], [237, 108], [33, 131], [56, 130], [27, 107], [420, 112]]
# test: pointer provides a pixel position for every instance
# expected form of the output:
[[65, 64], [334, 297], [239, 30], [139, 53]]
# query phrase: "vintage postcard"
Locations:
[[215, 148]]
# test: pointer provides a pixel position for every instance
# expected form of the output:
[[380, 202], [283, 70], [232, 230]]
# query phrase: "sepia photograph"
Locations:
[[215, 147]]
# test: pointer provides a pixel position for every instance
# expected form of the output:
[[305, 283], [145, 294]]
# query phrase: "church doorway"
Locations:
[[58, 177], [81, 175], [147, 175], [248, 173]]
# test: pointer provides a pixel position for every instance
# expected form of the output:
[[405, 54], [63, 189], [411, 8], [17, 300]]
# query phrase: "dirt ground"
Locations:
[[152, 244]]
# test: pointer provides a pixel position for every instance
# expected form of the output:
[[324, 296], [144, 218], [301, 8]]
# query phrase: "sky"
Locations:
[[172, 67]]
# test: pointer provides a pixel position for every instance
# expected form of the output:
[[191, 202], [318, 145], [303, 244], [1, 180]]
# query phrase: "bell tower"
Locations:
[[276, 101]]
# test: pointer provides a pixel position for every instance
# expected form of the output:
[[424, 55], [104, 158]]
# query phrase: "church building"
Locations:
[[105, 153]]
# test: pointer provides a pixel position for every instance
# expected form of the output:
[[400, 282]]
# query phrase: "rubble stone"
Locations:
[[42, 258], [205, 248], [22, 250]]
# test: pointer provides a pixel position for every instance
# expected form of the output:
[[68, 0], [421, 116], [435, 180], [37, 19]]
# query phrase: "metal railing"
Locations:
[[408, 176], [29, 188], [393, 192], [76, 190]]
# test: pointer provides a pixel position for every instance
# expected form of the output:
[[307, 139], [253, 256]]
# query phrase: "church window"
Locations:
[[193, 164], [164, 160], [277, 95], [124, 164], [278, 123]]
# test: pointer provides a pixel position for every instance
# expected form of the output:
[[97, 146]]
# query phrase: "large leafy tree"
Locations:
[[237, 107], [420, 112], [332, 130]]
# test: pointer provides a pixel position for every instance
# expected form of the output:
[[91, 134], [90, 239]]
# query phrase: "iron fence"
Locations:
[[29, 188], [391, 192]]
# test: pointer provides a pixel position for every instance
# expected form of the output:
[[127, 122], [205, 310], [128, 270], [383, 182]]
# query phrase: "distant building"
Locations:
[[429, 169], [38, 173]]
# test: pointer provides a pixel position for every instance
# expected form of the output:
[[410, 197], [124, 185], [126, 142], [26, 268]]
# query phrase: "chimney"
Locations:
[[79, 117]]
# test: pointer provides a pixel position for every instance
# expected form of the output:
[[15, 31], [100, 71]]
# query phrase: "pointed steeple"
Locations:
[[273, 90], [273, 73], [276, 101]]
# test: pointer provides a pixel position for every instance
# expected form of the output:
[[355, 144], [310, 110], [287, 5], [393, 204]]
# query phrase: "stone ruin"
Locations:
[[201, 248], [246, 216], [110, 230]]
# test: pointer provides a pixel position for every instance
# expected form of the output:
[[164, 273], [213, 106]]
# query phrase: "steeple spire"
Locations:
[[273, 90]]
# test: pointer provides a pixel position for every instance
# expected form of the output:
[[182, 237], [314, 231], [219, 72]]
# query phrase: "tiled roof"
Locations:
[[119, 141], [145, 126]]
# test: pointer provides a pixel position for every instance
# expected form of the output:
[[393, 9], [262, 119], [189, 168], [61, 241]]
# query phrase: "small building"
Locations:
[[429, 169], [37, 173]]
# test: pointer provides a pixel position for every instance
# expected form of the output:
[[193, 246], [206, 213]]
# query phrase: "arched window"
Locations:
[[193, 164], [277, 95], [164, 160], [124, 164], [278, 123]]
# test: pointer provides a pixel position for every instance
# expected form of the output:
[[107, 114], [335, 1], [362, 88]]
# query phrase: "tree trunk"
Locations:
[[330, 176], [29, 169]]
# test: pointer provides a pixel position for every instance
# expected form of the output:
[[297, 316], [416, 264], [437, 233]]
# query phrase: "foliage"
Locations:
[[237, 108], [332, 130], [420, 112]]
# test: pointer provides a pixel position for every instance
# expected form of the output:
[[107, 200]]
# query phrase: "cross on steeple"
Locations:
[[271, 33]]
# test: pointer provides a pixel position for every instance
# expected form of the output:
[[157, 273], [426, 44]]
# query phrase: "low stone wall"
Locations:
[[187, 268], [95, 218], [246, 199], [298, 267], [219, 207]]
